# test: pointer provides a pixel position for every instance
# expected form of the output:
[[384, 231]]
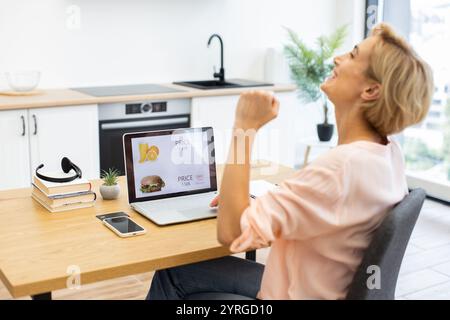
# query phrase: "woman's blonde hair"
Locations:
[[406, 84]]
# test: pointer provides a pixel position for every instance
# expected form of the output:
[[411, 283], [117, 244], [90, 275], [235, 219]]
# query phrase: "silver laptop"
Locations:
[[171, 174]]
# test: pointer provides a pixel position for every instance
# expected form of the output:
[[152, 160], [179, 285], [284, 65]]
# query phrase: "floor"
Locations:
[[425, 272]]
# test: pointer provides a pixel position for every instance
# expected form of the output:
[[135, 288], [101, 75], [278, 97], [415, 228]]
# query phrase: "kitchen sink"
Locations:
[[227, 84]]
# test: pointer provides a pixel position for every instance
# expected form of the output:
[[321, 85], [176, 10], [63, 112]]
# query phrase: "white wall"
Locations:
[[351, 13], [136, 41]]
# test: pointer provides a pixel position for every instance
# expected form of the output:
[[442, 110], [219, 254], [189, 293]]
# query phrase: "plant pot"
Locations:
[[110, 192], [325, 132]]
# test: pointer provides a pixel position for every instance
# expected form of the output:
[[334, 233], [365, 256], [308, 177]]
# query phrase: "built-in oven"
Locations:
[[117, 119]]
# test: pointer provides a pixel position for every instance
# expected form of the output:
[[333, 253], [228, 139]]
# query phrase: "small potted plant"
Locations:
[[309, 69], [110, 189]]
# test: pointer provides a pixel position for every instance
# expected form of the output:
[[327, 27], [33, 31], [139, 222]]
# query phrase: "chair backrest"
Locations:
[[385, 252]]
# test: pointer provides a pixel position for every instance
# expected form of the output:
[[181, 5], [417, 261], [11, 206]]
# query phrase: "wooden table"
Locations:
[[41, 252]]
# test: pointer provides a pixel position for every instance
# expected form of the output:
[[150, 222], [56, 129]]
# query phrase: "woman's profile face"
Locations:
[[348, 81]]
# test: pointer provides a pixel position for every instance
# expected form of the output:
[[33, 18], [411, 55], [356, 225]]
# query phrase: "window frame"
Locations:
[[374, 13]]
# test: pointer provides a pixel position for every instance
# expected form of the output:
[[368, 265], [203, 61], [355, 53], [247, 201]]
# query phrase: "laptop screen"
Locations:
[[169, 163]]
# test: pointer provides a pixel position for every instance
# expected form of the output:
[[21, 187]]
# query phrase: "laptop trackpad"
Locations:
[[176, 216]]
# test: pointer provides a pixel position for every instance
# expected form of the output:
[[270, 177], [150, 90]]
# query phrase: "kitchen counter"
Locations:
[[67, 97]]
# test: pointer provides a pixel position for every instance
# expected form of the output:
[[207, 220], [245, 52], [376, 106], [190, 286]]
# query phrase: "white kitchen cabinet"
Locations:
[[30, 137], [216, 112], [275, 142], [65, 132], [14, 150]]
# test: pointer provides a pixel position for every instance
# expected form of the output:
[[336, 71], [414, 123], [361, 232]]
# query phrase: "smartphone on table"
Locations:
[[124, 227]]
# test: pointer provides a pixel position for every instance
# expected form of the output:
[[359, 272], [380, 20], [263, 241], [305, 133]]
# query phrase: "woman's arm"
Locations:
[[254, 110]]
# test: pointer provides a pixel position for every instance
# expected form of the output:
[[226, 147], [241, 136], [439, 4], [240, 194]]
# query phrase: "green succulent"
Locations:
[[310, 67], [110, 177]]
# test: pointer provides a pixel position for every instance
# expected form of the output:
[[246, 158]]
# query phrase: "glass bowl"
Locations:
[[23, 81]]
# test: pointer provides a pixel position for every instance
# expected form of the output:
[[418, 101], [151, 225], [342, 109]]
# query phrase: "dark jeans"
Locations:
[[226, 275]]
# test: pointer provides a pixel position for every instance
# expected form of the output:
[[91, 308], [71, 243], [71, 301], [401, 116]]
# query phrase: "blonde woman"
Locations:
[[322, 219]]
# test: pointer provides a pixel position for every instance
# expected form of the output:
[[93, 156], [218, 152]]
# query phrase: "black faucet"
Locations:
[[221, 74]]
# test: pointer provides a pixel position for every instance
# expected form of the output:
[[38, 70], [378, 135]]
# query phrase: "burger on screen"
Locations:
[[152, 184]]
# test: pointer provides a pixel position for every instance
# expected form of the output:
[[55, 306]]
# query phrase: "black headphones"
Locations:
[[66, 166]]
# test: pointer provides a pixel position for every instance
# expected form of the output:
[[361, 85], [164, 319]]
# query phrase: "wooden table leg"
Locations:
[[251, 255], [307, 152], [42, 296]]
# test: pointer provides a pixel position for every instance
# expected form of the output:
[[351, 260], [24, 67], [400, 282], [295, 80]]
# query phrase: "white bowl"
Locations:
[[23, 81]]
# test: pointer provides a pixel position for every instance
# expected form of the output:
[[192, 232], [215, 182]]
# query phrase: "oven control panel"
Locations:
[[147, 107], [144, 109]]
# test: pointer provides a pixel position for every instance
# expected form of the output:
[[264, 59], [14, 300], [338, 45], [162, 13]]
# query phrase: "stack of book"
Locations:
[[58, 197]]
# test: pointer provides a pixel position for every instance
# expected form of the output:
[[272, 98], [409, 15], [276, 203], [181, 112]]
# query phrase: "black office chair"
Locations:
[[386, 251]]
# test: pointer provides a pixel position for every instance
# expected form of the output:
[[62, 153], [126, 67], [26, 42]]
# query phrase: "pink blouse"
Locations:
[[321, 220]]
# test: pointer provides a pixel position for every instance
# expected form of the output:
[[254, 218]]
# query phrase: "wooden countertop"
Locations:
[[39, 250], [67, 97]]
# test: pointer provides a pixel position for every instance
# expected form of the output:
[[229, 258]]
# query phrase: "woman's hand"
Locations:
[[255, 109], [215, 202]]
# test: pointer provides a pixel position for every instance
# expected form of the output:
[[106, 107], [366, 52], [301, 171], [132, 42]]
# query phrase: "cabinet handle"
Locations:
[[23, 126], [35, 125]]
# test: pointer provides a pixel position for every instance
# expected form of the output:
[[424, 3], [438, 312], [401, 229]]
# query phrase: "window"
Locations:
[[426, 23]]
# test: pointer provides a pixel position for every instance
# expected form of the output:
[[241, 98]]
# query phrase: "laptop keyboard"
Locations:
[[180, 203], [178, 209]]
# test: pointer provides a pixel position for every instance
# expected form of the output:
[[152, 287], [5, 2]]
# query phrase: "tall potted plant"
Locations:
[[310, 67]]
